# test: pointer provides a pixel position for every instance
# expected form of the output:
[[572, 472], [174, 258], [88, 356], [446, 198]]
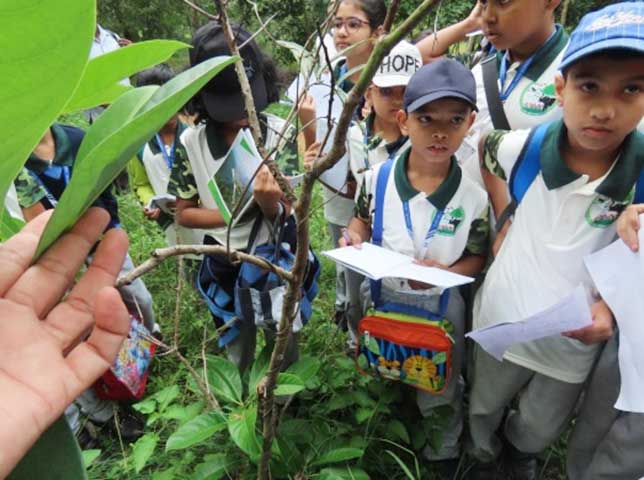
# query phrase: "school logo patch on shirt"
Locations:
[[603, 211], [538, 98], [452, 219]]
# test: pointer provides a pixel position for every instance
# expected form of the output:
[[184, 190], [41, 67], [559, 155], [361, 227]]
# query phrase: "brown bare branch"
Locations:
[[197, 8], [161, 254]]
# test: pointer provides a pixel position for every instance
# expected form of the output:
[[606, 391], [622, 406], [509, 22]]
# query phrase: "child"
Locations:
[[426, 184], [373, 141], [359, 23], [220, 114], [588, 166], [528, 48], [149, 172]]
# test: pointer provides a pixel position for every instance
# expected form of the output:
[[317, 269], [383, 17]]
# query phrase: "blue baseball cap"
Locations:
[[441, 78], [617, 26]]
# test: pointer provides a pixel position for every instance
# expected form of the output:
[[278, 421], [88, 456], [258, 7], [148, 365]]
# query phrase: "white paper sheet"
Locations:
[[571, 313], [377, 263], [163, 202], [618, 274]]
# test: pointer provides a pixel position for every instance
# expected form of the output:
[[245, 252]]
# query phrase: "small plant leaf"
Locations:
[[241, 426], [90, 456], [143, 449], [213, 467], [288, 384], [196, 430], [338, 455], [305, 368], [224, 379], [100, 82], [258, 371]]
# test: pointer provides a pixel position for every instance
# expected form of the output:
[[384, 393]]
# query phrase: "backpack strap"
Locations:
[[376, 231], [639, 189], [75, 136], [491, 84], [524, 172]]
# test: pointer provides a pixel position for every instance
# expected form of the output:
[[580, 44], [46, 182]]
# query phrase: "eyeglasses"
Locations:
[[352, 24], [389, 92]]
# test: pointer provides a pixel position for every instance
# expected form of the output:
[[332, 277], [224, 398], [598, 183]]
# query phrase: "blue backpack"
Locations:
[[528, 166]]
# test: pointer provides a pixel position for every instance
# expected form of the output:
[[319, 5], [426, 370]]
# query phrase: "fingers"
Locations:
[[17, 252], [71, 320], [90, 359], [628, 226], [54, 272]]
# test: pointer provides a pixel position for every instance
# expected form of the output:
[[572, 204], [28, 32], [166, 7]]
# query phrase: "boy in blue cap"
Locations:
[[433, 213], [584, 175]]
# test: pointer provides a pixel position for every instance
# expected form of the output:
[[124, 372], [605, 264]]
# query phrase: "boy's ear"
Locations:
[[368, 95], [560, 84], [402, 117], [471, 119]]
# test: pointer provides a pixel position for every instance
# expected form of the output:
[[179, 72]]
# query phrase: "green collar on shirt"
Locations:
[[154, 146], [347, 84], [441, 196], [617, 185], [63, 152], [545, 55]]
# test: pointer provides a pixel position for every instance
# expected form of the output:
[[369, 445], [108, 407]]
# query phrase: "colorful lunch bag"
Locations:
[[402, 342]]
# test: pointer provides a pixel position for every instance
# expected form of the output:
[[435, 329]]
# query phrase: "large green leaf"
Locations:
[[9, 225], [100, 82], [258, 370], [348, 473], [117, 135], [224, 379], [241, 426], [196, 430], [45, 45], [305, 368]]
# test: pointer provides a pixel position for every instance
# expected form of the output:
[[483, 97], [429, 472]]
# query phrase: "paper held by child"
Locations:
[[618, 274], [377, 263], [571, 313], [164, 202], [228, 184]]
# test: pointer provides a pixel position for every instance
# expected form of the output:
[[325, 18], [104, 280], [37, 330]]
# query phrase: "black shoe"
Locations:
[[483, 471], [520, 465], [340, 319], [130, 425], [444, 469], [87, 437]]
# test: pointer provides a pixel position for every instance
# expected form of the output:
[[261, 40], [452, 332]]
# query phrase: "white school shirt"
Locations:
[[204, 166], [11, 203], [562, 218], [531, 103], [465, 208], [158, 174]]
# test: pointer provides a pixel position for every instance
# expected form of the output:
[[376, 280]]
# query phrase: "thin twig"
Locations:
[[391, 16], [161, 254], [200, 10]]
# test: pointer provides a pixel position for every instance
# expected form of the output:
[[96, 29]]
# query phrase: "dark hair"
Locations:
[[155, 76], [375, 10], [617, 54], [273, 78]]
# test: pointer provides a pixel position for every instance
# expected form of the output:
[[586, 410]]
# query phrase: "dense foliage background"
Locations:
[[294, 19]]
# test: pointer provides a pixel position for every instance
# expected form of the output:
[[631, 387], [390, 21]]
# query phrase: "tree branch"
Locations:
[[197, 8], [250, 104], [270, 412], [391, 15], [161, 254]]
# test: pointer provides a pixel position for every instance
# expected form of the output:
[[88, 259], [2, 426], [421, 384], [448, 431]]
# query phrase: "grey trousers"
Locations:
[[452, 397], [241, 350], [137, 296], [347, 291], [606, 444], [544, 409]]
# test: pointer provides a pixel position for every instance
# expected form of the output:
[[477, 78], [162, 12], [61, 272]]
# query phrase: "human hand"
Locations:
[[46, 356], [267, 192], [124, 42], [628, 225], [349, 237], [473, 20], [312, 155], [427, 262], [602, 328], [306, 110], [151, 213]]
